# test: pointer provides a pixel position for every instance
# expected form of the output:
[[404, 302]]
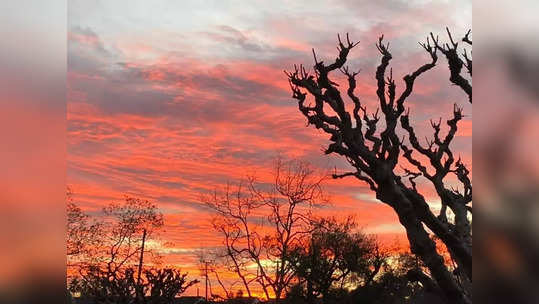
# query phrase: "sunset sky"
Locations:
[[170, 99]]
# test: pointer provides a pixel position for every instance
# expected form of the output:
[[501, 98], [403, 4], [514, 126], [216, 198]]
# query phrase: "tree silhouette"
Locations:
[[260, 226], [100, 287], [160, 286], [375, 155], [83, 234], [163, 285], [333, 256], [127, 226], [108, 251]]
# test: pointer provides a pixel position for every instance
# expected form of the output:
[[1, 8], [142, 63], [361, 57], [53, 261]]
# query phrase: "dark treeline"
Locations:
[[273, 240]]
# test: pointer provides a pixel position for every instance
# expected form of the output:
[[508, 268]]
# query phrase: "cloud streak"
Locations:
[[169, 108]]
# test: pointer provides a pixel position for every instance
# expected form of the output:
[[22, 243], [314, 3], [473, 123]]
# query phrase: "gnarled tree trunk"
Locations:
[[374, 155]]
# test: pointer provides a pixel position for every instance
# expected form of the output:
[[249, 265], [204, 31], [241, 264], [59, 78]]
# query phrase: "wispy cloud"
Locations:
[[170, 101]]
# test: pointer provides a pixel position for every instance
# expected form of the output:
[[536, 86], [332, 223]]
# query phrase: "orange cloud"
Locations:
[[171, 126]]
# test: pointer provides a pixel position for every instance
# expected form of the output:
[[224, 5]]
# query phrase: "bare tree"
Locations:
[[213, 264], [261, 225], [374, 155]]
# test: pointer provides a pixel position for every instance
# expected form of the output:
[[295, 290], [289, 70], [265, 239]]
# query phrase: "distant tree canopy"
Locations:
[[384, 159], [337, 264], [106, 255], [335, 256]]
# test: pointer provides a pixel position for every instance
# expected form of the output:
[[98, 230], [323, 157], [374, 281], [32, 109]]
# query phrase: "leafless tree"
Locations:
[[261, 225], [375, 155], [213, 265]]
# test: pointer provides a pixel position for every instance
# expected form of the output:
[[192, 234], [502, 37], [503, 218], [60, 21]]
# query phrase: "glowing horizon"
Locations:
[[170, 101]]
